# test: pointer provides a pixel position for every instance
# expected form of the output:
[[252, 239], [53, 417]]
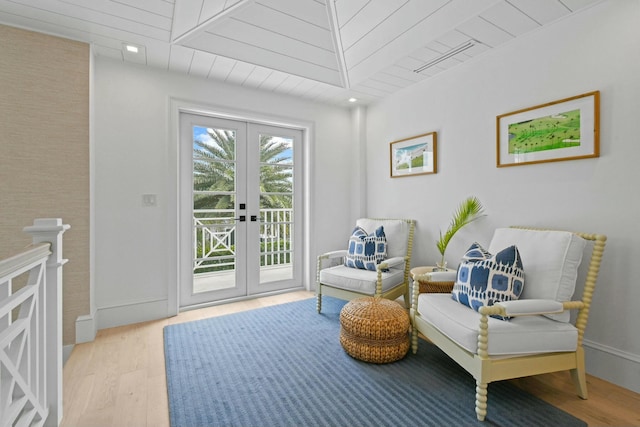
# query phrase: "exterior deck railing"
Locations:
[[214, 245]]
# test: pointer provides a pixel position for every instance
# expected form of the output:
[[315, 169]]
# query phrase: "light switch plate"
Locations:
[[149, 200]]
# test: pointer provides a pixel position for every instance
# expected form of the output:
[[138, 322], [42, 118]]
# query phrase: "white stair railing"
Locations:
[[31, 329]]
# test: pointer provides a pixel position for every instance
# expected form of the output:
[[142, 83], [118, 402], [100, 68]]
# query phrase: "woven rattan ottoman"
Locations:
[[374, 330]]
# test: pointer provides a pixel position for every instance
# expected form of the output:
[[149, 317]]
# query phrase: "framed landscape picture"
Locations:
[[414, 156], [567, 129]]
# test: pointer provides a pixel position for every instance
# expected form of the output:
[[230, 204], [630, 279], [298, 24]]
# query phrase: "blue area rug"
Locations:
[[284, 366]]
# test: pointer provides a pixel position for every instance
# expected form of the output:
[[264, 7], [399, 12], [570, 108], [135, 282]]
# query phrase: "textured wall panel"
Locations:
[[44, 151]]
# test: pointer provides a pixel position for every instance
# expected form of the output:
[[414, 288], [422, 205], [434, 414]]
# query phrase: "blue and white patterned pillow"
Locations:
[[366, 251], [476, 252], [484, 279]]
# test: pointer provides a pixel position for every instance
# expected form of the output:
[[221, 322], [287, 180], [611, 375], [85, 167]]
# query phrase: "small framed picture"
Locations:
[[567, 129], [414, 156]]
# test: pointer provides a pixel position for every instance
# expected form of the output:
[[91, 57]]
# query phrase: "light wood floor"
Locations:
[[119, 379]]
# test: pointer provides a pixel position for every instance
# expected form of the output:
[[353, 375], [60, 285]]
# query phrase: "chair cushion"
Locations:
[[484, 279], [395, 230], [363, 281], [366, 251], [522, 335], [551, 261]]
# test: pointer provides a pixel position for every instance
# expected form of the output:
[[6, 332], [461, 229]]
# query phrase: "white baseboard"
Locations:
[[613, 365], [66, 352], [135, 312], [86, 328]]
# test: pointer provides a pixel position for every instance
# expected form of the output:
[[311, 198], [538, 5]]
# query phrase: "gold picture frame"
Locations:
[[567, 129], [417, 155]]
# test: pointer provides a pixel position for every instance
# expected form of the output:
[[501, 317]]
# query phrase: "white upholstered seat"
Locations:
[[357, 280], [519, 336]]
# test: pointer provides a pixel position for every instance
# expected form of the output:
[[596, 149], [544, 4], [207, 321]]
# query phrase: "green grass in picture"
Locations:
[[417, 162], [545, 133], [410, 157]]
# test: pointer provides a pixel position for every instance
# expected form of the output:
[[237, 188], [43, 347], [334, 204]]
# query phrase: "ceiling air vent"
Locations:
[[449, 54]]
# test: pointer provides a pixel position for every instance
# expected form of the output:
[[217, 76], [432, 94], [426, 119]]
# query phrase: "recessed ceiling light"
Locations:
[[136, 53], [353, 99]]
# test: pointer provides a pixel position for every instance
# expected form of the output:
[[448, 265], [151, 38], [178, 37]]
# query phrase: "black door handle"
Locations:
[[242, 218], [254, 218]]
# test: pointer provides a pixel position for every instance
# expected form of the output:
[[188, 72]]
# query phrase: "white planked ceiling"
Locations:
[[323, 50]]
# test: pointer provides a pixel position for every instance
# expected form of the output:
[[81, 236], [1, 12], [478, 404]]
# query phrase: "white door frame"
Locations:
[[177, 106]]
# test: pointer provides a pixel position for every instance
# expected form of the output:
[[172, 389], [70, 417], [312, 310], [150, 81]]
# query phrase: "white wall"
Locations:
[[134, 245], [595, 50]]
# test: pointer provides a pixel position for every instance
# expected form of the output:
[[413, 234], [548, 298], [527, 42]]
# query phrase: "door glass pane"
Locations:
[[214, 194], [276, 208]]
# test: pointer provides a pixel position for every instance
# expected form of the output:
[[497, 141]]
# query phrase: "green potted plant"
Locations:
[[468, 211]]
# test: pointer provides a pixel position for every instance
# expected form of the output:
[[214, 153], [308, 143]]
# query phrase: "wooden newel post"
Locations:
[[50, 230]]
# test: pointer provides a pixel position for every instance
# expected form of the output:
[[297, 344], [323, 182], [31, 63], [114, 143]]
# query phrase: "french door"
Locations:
[[239, 209]]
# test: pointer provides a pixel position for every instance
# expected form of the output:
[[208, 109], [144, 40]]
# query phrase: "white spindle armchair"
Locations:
[[391, 278], [539, 337]]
